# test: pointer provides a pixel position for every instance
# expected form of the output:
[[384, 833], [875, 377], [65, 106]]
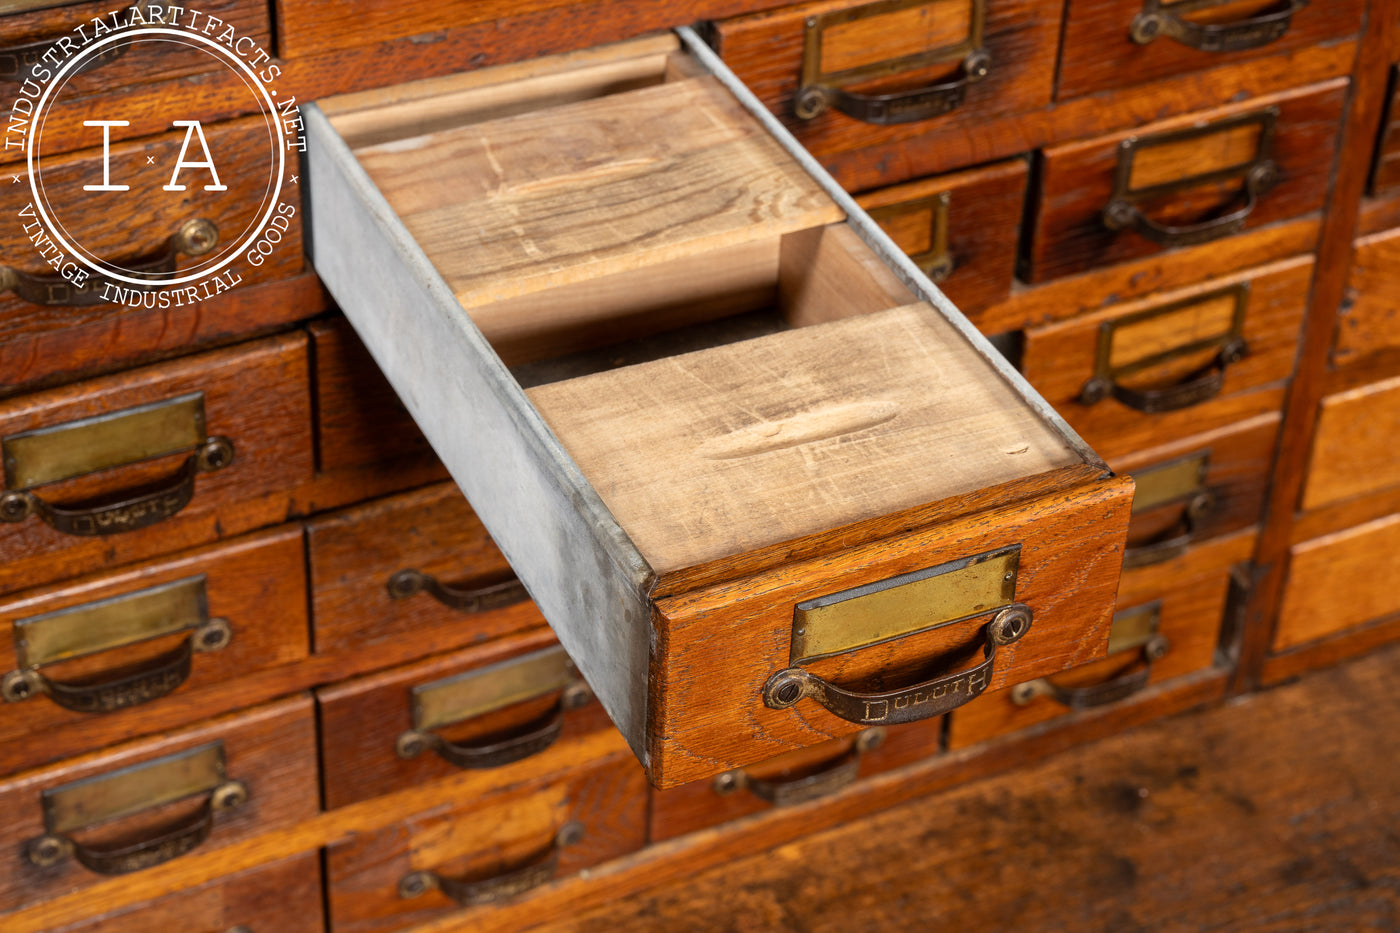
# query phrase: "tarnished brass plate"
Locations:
[[1170, 482], [110, 623], [903, 605], [1153, 337], [473, 693], [47, 455], [129, 790], [1134, 627]]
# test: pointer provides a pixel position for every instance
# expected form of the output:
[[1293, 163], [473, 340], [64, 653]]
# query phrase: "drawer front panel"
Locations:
[[1173, 615], [1385, 173], [129, 466], [369, 567], [920, 55], [1370, 312], [1183, 181], [163, 797], [487, 706], [1340, 582], [1353, 452], [1117, 43], [487, 851], [960, 229], [1170, 364], [152, 647], [283, 897]]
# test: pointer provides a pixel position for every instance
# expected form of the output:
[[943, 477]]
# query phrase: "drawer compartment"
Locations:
[[417, 566], [716, 382], [136, 806], [1353, 447], [1183, 181], [92, 662], [1340, 582], [153, 460], [1370, 312], [478, 709]]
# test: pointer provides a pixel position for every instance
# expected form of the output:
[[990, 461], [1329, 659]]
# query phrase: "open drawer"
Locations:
[[767, 485]]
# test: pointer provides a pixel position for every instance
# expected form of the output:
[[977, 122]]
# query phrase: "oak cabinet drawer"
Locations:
[[677, 515], [1183, 181], [417, 566], [1174, 362], [961, 229], [1385, 171], [158, 645], [283, 897], [153, 460], [586, 807], [1353, 447], [1340, 582], [1370, 312], [479, 709], [1117, 43], [847, 75], [139, 805]]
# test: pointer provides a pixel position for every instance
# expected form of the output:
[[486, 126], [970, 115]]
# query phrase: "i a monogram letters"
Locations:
[[192, 129]]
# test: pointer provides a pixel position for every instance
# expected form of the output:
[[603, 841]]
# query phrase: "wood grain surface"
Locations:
[[1368, 320], [1338, 582], [1353, 452]]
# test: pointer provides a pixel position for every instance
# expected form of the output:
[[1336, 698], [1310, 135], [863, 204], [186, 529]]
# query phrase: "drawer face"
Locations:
[[284, 896], [1183, 181], [925, 58], [1370, 313], [1385, 172], [478, 709], [960, 229], [489, 850], [369, 566], [90, 663], [1173, 362], [1340, 582], [129, 466], [1168, 624], [1353, 444], [1117, 43], [192, 790]]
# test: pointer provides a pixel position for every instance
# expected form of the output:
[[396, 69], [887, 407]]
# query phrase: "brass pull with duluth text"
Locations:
[[1161, 19], [475, 892]]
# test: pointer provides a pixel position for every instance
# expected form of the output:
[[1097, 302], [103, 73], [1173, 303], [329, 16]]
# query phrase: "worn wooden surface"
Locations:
[[1369, 318], [1340, 581], [1353, 449]]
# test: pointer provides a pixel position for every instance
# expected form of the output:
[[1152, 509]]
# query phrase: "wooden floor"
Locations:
[[1279, 812]]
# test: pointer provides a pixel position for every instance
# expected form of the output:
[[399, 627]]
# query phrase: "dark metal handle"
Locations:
[[840, 772], [900, 106], [17, 61], [1122, 214], [532, 874], [127, 514], [150, 681], [406, 583], [1195, 387], [174, 840], [910, 704], [1112, 690], [532, 739], [1251, 33], [1178, 539], [194, 238]]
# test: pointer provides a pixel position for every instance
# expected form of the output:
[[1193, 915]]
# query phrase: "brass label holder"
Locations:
[[936, 261], [1183, 480]]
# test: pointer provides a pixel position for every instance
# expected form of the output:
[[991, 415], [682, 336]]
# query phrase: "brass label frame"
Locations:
[[1129, 148], [904, 605], [936, 261], [815, 26], [88, 445], [1172, 481], [486, 689], [1134, 627], [1109, 330], [132, 789]]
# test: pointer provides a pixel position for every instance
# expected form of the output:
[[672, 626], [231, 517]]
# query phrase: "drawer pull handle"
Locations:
[[1175, 542], [17, 62], [909, 704], [1196, 387], [532, 739], [1252, 33], [194, 238], [1114, 690], [532, 874], [838, 773], [139, 511], [901, 106], [406, 583], [1124, 215]]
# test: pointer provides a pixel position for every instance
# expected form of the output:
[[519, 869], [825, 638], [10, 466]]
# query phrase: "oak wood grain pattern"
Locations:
[[484, 837], [1338, 582], [361, 719], [255, 394], [1098, 53], [1059, 359], [1385, 172], [1068, 234], [1192, 591], [984, 219], [1352, 450], [353, 553], [765, 51], [715, 647], [257, 583], [284, 897], [270, 748], [780, 437], [340, 488], [1369, 318], [674, 169]]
